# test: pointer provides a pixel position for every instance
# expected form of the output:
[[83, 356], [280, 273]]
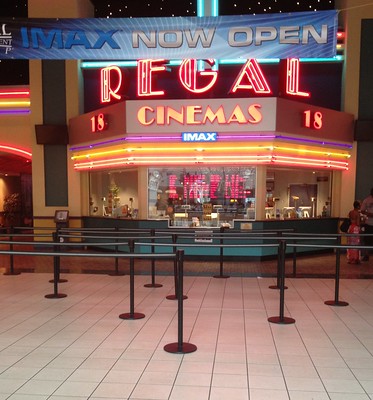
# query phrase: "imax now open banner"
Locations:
[[305, 34]]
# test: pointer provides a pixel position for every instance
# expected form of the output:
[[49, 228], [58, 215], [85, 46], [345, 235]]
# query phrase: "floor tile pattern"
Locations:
[[77, 347]]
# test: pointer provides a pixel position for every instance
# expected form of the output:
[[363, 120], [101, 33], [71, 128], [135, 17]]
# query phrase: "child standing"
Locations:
[[353, 255]]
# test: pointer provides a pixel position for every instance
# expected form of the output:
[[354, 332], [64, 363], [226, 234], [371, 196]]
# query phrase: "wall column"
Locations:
[[51, 164]]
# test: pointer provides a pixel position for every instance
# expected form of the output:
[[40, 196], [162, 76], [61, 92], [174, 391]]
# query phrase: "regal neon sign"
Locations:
[[250, 78]]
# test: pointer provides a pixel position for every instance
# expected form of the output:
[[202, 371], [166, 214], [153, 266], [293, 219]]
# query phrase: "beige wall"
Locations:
[[74, 106], [350, 16]]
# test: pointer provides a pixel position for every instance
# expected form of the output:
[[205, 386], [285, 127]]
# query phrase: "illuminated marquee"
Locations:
[[250, 78]]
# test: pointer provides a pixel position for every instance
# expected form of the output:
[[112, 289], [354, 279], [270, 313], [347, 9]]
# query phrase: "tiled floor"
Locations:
[[77, 347]]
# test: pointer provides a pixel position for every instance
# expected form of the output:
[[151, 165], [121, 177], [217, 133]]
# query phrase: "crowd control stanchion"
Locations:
[[180, 347], [56, 272], [153, 284], [336, 301], [278, 283], [132, 314], [221, 257], [281, 256], [58, 239], [11, 256], [116, 265], [175, 296]]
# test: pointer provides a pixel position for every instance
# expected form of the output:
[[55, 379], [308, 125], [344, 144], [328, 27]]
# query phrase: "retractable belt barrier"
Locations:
[[133, 238]]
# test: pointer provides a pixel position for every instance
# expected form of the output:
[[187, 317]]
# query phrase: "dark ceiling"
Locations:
[[12, 164]]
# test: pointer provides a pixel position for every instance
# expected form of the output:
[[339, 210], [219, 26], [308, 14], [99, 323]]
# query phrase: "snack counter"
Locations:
[[203, 236]]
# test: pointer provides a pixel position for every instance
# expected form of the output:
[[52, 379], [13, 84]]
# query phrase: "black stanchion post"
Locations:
[[56, 272], [58, 239], [153, 284], [180, 347], [281, 256], [174, 249], [278, 284], [336, 301], [132, 314], [221, 257], [11, 256]]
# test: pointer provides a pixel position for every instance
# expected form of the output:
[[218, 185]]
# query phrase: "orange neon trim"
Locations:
[[11, 103], [311, 164], [167, 150], [199, 160], [211, 159], [292, 78], [325, 153], [265, 147], [253, 73], [188, 75], [145, 70]]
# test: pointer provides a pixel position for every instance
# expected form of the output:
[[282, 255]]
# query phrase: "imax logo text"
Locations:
[[199, 136], [38, 37]]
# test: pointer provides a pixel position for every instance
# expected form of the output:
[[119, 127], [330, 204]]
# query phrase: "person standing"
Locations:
[[353, 255], [367, 210]]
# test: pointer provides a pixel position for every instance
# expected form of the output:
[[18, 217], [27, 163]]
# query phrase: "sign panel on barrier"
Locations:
[[203, 236]]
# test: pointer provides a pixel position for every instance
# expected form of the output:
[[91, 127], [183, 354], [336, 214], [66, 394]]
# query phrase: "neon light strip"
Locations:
[[15, 150], [20, 103], [326, 153], [215, 8], [211, 160], [209, 149], [217, 157], [322, 142], [200, 8], [220, 137], [176, 138], [15, 111], [166, 151], [103, 64], [14, 93], [305, 159]]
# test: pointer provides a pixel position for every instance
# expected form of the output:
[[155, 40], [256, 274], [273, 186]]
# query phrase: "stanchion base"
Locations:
[[116, 273], [11, 273], [131, 316], [153, 285], [59, 281], [221, 276], [284, 320], [336, 303], [276, 287], [175, 348], [55, 296], [174, 297]]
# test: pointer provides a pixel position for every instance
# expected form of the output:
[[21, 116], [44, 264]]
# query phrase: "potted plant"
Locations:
[[12, 208]]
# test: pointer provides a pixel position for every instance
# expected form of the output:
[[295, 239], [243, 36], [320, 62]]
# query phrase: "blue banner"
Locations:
[[300, 35]]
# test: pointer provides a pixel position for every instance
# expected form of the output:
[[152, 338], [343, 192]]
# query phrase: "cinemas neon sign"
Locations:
[[250, 78], [198, 115]]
